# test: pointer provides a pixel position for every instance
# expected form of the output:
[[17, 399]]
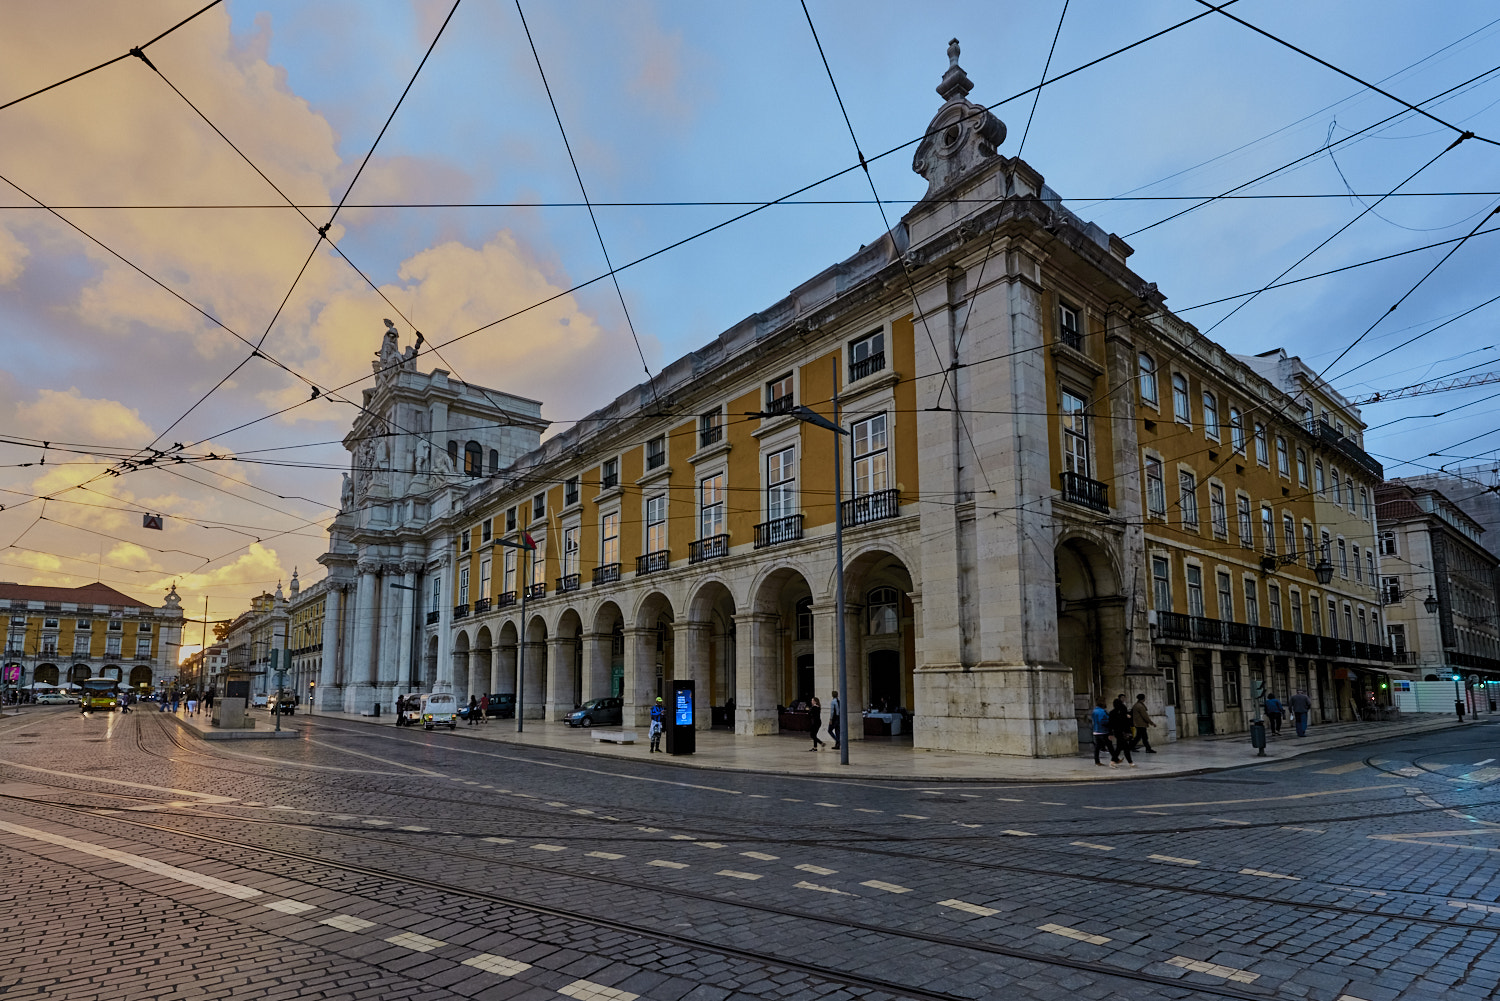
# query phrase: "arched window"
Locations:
[[453, 453], [885, 611], [1180, 401], [1237, 432], [804, 619], [473, 459], [1148, 378], [494, 461]]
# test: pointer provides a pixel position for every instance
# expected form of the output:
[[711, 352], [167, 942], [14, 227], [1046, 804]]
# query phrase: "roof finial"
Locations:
[[955, 82], [953, 52]]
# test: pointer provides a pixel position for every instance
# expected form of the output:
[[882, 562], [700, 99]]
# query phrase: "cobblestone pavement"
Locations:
[[364, 862]]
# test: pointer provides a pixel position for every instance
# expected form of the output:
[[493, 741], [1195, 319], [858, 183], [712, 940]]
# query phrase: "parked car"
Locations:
[[286, 705], [259, 701], [439, 709], [597, 712], [55, 698], [502, 706]]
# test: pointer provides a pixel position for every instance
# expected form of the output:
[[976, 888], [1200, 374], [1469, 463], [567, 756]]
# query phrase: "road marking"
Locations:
[[1007, 799], [415, 942], [1090, 844], [582, 810], [1173, 858], [1019, 834], [608, 855], [865, 809], [761, 855], [664, 864], [817, 870], [756, 795], [1483, 775], [787, 799], [549, 848], [556, 804], [1149, 813], [413, 827], [708, 844], [1225, 820], [205, 797], [347, 922], [290, 906], [279, 807], [1352, 766], [650, 830], [968, 908], [1073, 933], [913, 816], [736, 874], [683, 837], [1250, 799], [500, 841], [587, 990], [805, 885], [498, 965], [1047, 802], [376, 823], [136, 862], [834, 805], [1484, 762], [1269, 875], [968, 825], [1287, 766], [969, 795], [880, 884], [1307, 830], [1470, 905], [1214, 969]]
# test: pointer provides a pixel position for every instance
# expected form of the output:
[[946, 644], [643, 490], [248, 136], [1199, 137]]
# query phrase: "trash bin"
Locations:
[[1258, 737], [377, 710]]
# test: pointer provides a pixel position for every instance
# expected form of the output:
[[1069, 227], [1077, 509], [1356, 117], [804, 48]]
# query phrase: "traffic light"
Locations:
[[1257, 689], [1458, 677]]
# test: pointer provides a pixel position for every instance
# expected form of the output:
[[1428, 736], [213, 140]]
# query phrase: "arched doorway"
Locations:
[[111, 671], [606, 659], [46, 674], [505, 656], [461, 666], [651, 667], [534, 673], [479, 663], [711, 654], [567, 661], [1090, 626], [881, 643], [783, 641], [430, 665], [140, 678], [79, 673]]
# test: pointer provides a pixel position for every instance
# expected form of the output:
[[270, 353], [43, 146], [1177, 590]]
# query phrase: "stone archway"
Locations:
[[604, 664], [566, 678], [79, 673], [505, 660], [649, 657], [45, 674], [880, 637], [1091, 625], [479, 663], [430, 665], [534, 671], [461, 666], [781, 642], [705, 647], [140, 678]]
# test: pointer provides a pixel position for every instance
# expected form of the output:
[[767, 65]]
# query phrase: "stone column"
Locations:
[[479, 671], [691, 652], [327, 678], [403, 659], [506, 670], [460, 675], [856, 665], [757, 673], [443, 572], [560, 694], [359, 680], [825, 651], [640, 675], [538, 670]]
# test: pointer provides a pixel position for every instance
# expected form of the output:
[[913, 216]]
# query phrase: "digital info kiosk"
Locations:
[[680, 733]]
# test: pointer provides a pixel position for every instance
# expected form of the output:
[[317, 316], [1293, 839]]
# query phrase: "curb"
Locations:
[[256, 734]]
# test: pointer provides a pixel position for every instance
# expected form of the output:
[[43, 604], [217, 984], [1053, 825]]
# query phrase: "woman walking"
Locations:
[[816, 718]]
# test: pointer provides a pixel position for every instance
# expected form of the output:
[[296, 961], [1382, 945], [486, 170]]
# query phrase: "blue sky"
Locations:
[[665, 101]]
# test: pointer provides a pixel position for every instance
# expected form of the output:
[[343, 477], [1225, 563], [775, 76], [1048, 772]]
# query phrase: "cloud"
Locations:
[[70, 416]]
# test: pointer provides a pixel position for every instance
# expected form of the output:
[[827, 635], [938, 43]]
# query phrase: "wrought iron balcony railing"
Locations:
[[653, 562], [606, 574], [567, 582], [710, 548], [774, 533], [1081, 490], [870, 507], [868, 365]]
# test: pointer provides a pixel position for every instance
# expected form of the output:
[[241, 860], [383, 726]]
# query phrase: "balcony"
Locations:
[[653, 562], [710, 548], [536, 592], [875, 506], [481, 606], [774, 533], [461, 611], [433, 617], [1090, 493], [868, 365], [1070, 338], [505, 599], [1327, 434], [606, 574], [780, 405], [1174, 627], [568, 582], [711, 435]]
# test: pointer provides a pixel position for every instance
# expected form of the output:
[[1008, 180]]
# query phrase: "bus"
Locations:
[[100, 694]]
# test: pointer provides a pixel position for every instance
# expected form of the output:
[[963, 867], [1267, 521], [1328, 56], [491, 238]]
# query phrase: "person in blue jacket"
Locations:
[[1100, 719], [658, 717], [1273, 713]]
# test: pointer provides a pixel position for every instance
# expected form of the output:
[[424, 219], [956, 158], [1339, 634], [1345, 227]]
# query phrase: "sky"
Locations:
[[167, 252]]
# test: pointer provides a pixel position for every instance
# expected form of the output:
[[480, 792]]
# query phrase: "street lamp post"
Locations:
[[809, 416], [527, 545]]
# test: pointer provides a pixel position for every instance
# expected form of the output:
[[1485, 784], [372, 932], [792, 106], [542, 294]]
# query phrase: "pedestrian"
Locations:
[[1273, 713], [484, 708], [401, 710], [473, 710], [1140, 716], [1301, 706], [176, 701], [833, 720], [658, 713], [192, 706], [1120, 729], [1099, 717], [815, 719]]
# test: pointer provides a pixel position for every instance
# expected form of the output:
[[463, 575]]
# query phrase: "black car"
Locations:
[[597, 712], [501, 706]]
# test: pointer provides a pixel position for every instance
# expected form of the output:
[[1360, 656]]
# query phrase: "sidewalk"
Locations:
[[788, 754]]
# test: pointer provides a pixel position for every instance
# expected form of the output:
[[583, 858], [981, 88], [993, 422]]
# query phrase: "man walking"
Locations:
[[1140, 716], [1100, 719], [1273, 713], [833, 720], [1300, 705]]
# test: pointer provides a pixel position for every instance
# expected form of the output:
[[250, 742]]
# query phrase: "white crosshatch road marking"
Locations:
[[500, 841], [587, 990], [805, 885], [608, 855], [736, 874], [1074, 934], [549, 848], [413, 827], [1173, 858], [1214, 969], [708, 844], [683, 837], [376, 823], [1090, 844], [663, 863], [498, 965], [817, 870], [347, 922], [880, 884], [913, 816], [1019, 834], [1471, 905], [1226, 820], [761, 855], [290, 906], [964, 905], [415, 942], [141, 862]]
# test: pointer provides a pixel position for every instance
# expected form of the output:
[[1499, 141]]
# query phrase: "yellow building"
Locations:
[[66, 635]]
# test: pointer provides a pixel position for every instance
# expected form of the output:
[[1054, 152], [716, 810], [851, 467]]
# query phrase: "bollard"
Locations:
[[1258, 737], [377, 709]]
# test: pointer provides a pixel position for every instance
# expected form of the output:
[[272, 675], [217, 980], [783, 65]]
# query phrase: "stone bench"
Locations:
[[615, 736]]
